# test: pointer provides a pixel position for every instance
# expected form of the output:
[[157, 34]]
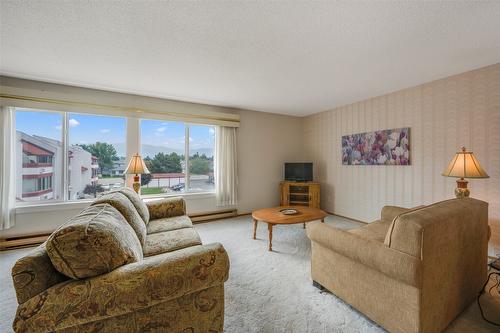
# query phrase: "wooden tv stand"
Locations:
[[300, 194]]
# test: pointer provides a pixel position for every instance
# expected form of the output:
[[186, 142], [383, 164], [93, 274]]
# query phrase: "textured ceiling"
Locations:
[[294, 58]]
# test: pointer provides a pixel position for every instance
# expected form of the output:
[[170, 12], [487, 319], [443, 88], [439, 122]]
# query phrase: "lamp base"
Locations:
[[462, 191], [137, 184]]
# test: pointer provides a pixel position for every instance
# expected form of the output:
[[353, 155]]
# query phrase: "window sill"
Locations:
[[187, 195], [55, 206], [69, 205]]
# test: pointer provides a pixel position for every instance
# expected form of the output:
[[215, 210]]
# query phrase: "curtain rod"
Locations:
[[112, 107]]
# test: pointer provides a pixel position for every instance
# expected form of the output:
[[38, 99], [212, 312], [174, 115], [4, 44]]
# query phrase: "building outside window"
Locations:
[[180, 156], [39, 154], [95, 143]]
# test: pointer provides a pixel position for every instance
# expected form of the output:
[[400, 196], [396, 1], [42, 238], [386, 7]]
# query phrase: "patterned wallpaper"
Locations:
[[462, 110]]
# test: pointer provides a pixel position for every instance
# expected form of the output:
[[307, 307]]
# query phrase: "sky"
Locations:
[[43, 124], [83, 129], [87, 129], [171, 135]]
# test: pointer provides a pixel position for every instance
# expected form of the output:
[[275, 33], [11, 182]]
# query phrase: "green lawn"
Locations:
[[151, 190]]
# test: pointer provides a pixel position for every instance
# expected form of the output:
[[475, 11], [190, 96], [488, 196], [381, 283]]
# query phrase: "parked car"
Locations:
[[117, 185], [178, 187]]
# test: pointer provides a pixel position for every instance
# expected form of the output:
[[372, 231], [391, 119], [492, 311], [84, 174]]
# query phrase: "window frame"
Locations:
[[65, 117], [187, 184], [188, 173], [64, 200], [67, 147], [62, 175]]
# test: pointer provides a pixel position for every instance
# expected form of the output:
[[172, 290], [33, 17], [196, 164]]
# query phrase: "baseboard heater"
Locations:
[[209, 216], [27, 241], [22, 241]]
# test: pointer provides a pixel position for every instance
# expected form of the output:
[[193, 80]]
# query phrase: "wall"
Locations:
[[443, 116], [265, 142], [462, 110]]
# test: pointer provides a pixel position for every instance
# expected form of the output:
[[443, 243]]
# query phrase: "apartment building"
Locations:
[[42, 169]]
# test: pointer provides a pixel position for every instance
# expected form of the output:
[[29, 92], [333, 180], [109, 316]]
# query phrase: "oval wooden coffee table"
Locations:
[[273, 216]]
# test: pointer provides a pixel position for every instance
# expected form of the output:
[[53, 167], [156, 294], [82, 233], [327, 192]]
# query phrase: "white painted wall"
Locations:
[[265, 142]]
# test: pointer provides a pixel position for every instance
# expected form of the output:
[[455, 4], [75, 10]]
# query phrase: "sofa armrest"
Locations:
[[388, 213], [131, 287], [376, 255], [168, 207], [34, 273]]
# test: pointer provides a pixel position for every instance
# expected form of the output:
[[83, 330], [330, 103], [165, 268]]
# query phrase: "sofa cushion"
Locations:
[[94, 242], [375, 231], [167, 207], [168, 241], [136, 200], [127, 209], [169, 224]]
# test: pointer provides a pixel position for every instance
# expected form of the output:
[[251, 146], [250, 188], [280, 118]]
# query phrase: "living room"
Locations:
[[250, 166]]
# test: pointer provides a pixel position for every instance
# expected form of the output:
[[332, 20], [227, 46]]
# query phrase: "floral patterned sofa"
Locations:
[[123, 265]]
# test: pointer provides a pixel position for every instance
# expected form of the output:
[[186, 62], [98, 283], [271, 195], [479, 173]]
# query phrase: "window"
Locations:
[[164, 147], [95, 155], [96, 152], [201, 158], [39, 152], [37, 184], [67, 156]]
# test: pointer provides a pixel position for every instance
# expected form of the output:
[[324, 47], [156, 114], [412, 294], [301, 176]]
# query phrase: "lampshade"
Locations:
[[136, 166], [465, 165]]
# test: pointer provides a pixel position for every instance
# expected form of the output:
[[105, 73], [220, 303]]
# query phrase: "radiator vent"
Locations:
[[22, 241], [205, 217]]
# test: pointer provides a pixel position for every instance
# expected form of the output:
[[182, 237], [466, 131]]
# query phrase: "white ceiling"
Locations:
[[294, 58]]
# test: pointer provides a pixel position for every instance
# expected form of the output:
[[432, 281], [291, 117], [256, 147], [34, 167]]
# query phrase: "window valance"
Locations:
[[42, 95]]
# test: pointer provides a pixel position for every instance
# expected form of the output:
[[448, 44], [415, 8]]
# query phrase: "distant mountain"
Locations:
[[207, 151], [152, 150], [120, 149]]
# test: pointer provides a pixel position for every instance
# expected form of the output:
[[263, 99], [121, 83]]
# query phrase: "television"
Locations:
[[299, 172]]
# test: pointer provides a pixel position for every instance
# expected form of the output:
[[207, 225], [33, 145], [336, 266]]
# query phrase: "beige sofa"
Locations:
[[412, 271], [123, 266]]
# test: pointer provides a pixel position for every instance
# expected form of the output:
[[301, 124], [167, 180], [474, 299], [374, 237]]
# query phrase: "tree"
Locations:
[[165, 163], [93, 189], [146, 178], [199, 166], [105, 153]]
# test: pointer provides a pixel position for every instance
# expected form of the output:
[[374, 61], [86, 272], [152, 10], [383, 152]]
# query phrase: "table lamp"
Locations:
[[136, 166], [464, 165]]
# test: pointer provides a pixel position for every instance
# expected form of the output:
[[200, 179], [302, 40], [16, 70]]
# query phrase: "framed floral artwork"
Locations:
[[384, 147]]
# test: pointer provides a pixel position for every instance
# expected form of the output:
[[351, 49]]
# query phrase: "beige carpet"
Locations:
[[271, 291]]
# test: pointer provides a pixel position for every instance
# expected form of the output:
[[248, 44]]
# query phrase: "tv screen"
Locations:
[[299, 171]]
